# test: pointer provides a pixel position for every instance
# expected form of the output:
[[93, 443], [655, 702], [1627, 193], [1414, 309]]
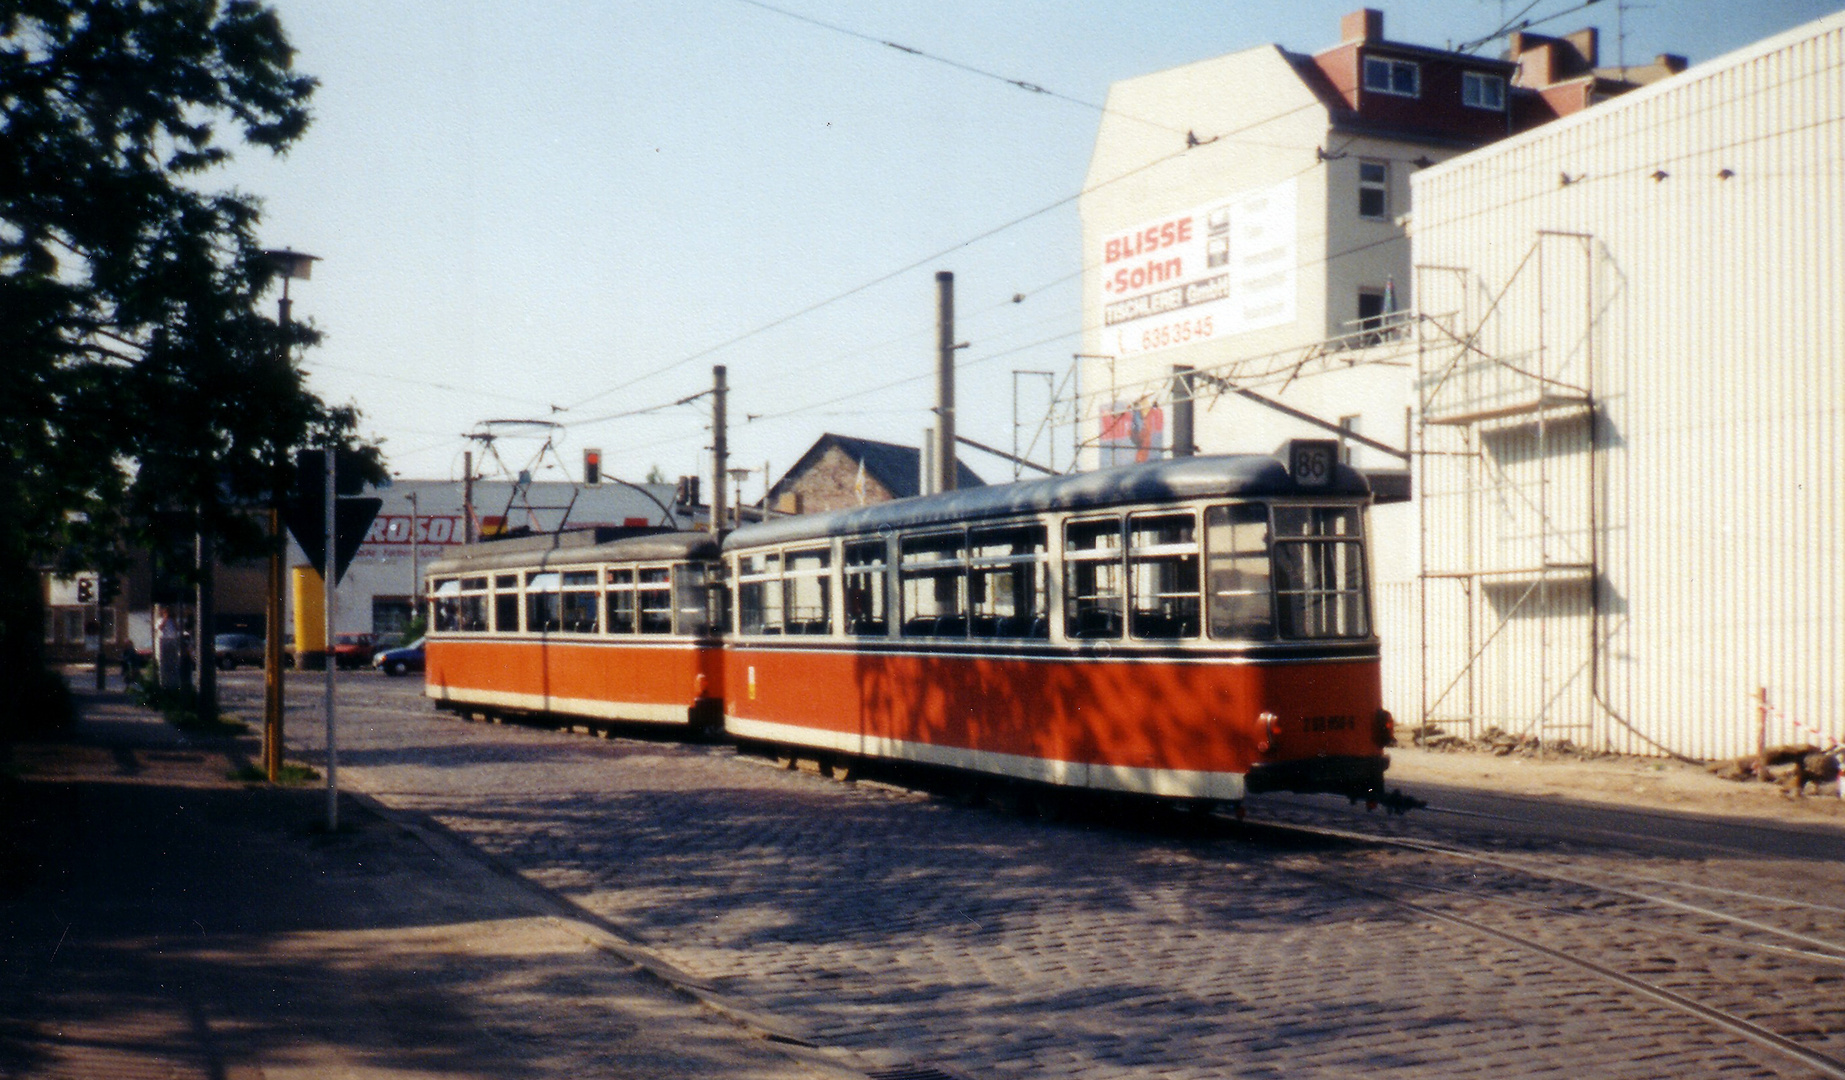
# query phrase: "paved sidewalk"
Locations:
[[160, 920]]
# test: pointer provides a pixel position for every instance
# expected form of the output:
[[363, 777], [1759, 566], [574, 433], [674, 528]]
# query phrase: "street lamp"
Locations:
[[416, 570], [288, 264]]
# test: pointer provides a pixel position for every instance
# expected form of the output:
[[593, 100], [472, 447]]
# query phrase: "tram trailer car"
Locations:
[[1191, 629], [561, 624]]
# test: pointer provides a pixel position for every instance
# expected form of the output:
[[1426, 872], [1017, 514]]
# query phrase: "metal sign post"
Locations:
[[328, 582]]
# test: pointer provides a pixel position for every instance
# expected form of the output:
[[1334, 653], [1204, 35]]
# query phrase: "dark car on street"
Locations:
[[234, 650], [400, 660]]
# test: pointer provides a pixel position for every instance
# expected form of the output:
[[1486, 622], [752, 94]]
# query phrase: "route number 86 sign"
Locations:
[[1311, 461]]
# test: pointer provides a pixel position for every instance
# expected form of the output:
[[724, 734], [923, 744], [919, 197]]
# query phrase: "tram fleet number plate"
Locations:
[[1328, 723]]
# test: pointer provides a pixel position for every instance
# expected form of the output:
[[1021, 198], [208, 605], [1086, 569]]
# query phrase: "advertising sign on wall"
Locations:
[[1218, 269], [393, 530], [1132, 433]]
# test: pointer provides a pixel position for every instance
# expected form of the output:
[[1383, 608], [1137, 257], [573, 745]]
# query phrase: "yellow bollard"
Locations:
[[310, 618]]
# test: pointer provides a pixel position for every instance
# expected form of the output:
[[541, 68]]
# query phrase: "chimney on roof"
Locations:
[[1365, 24], [1588, 43]]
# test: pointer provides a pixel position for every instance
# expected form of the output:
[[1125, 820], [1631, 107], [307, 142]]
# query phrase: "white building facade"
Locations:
[[375, 596], [1631, 416]]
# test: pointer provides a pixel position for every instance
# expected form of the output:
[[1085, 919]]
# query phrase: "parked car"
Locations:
[[234, 649], [399, 660], [352, 650]]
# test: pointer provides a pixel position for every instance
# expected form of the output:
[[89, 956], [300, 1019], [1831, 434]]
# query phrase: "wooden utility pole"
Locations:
[[204, 641], [272, 650], [720, 449], [945, 471]]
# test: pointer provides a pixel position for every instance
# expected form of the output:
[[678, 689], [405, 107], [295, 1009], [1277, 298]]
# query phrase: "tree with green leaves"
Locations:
[[142, 391]]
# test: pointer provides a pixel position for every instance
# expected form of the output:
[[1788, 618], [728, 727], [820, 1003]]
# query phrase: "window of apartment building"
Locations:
[[1482, 91], [1373, 189], [1348, 425], [1371, 315], [1400, 77]]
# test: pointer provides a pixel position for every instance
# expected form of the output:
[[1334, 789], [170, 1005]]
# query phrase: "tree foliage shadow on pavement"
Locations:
[[212, 928]]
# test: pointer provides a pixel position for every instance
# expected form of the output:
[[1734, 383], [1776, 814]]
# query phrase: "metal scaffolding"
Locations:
[[1510, 591]]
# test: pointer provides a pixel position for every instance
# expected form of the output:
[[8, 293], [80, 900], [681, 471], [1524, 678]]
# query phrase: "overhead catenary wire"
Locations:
[[1300, 265], [932, 257], [1022, 84]]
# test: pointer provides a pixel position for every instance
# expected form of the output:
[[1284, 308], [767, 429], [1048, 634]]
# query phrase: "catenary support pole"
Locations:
[[467, 496], [720, 448], [1183, 415], [945, 472]]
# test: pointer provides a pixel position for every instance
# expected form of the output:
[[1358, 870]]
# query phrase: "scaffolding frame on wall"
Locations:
[[1510, 588]]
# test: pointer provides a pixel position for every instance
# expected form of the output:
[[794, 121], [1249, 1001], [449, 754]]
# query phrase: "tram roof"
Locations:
[[1170, 480], [570, 549]]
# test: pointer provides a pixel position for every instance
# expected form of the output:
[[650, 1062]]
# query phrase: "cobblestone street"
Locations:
[[906, 928]]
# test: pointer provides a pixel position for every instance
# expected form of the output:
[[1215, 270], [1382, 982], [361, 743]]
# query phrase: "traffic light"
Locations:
[[86, 590], [592, 467]]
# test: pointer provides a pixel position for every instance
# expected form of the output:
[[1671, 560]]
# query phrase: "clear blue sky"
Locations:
[[529, 205]]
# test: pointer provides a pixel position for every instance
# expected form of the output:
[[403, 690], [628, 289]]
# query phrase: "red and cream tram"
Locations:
[[617, 630], [1197, 628]]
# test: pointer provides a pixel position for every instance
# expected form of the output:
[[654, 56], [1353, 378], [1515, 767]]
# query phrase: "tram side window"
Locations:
[[506, 603], [1319, 572], [471, 607], [1237, 571], [692, 593], [759, 593], [809, 592], [1092, 579], [445, 606], [1163, 575], [864, 589], [543, 603], [621, 601], [580, 611], [933, 577], [1008, 582], [654, 594]]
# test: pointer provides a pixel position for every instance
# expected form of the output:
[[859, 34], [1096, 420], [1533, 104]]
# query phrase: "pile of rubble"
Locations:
[[1502, 743], [1795, 767]]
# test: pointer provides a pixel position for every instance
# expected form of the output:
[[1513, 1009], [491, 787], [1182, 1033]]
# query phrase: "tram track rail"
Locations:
[[1719, 961], [1612, 926]]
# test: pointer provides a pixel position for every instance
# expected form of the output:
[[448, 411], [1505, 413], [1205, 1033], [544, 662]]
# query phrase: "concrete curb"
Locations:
[[789, 1039]]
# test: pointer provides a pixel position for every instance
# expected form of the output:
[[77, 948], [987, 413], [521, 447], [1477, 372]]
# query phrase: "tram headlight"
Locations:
[[1384, 728], [1268, 731]]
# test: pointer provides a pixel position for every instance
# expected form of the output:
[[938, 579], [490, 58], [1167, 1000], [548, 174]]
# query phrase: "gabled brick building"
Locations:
[[839, 471]]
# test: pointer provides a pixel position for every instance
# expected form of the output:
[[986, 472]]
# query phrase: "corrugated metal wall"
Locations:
[[1706, 312]]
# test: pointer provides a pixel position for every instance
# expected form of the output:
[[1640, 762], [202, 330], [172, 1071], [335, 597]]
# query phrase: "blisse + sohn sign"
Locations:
[[1221, 268]]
